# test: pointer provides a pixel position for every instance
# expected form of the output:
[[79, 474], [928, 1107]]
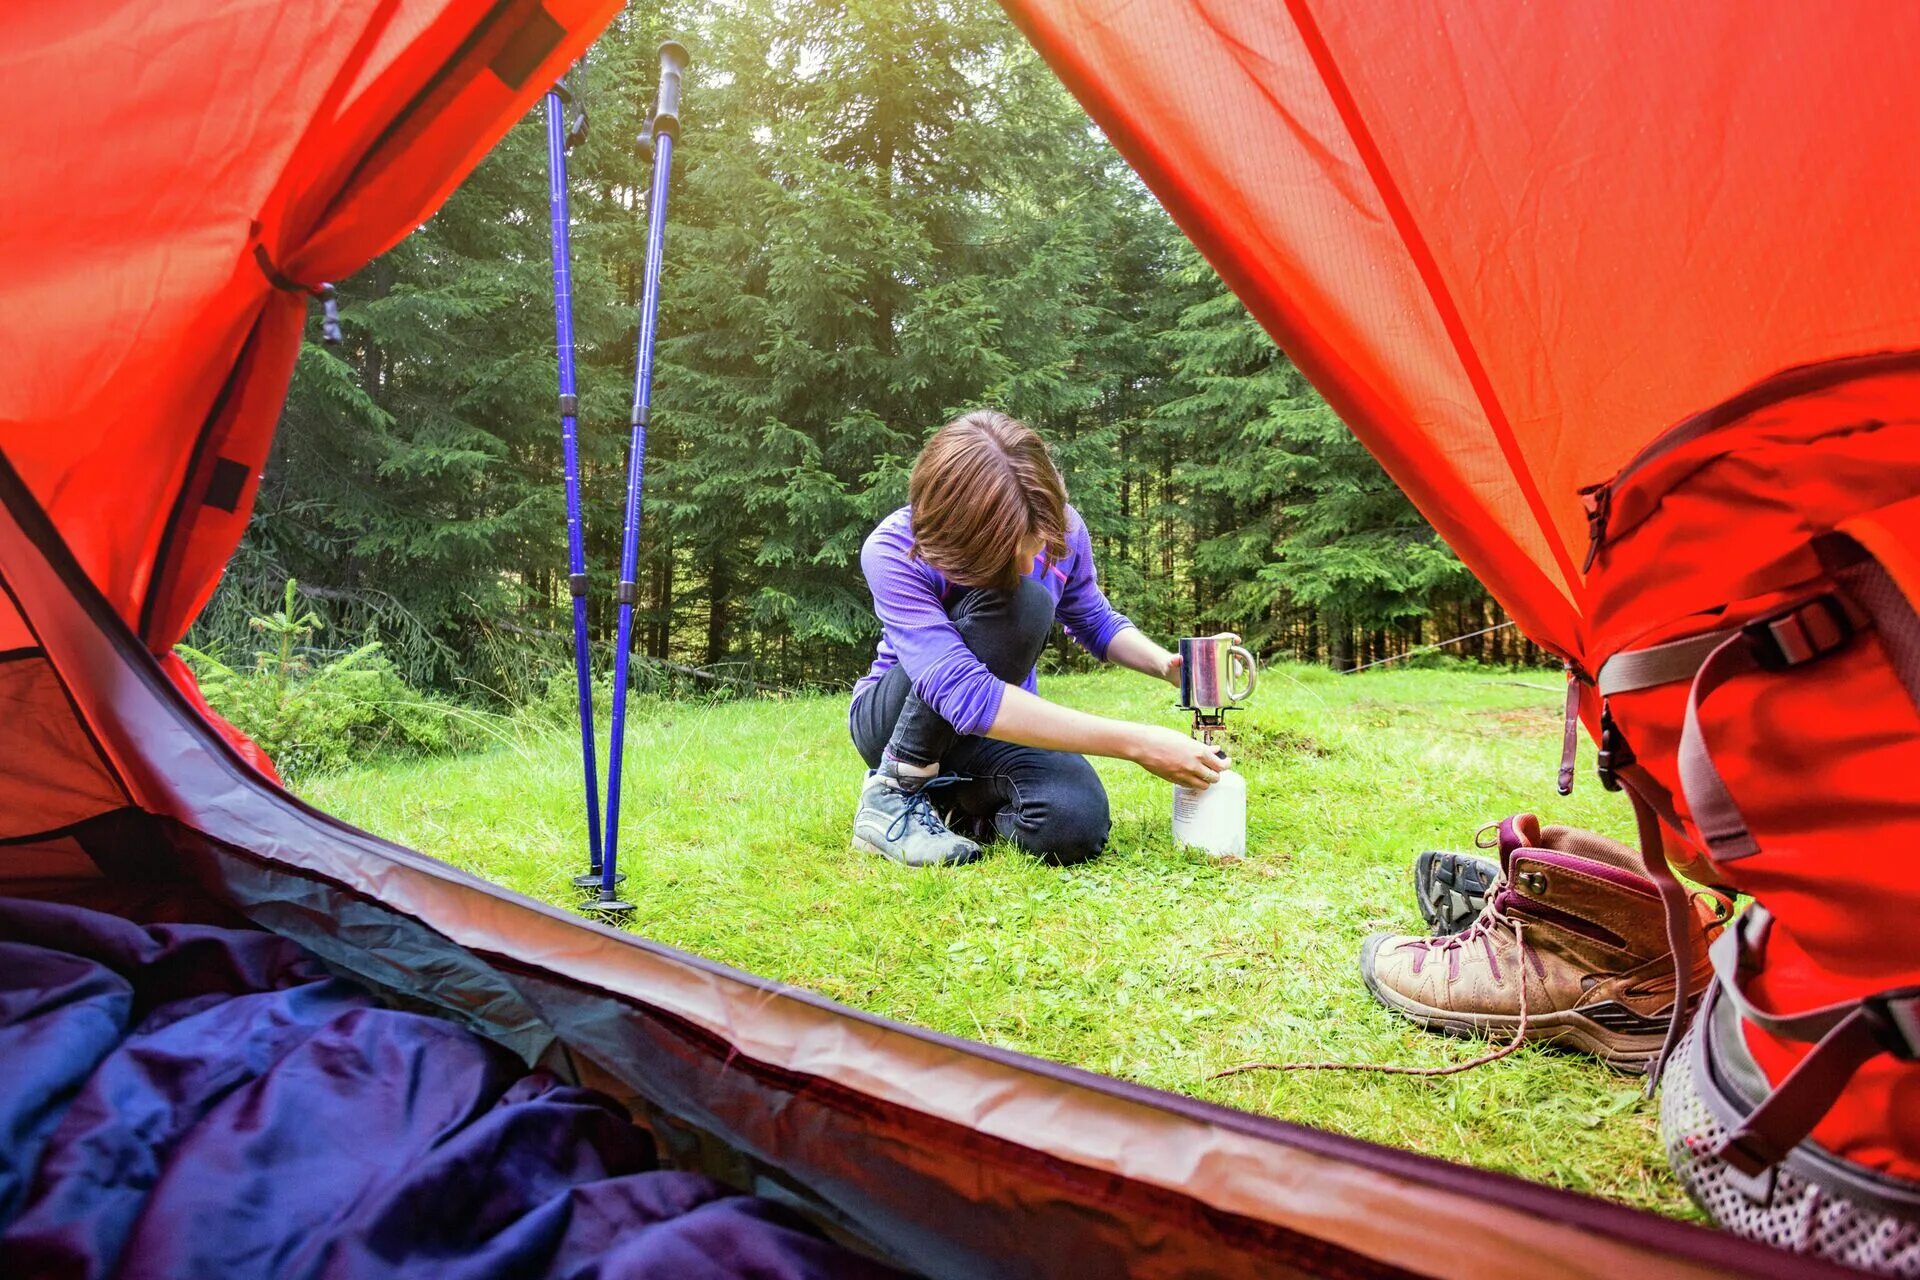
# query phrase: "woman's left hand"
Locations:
[[1172, 673]]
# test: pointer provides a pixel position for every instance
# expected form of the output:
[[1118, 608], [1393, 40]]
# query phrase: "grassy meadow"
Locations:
[[1151, 963]]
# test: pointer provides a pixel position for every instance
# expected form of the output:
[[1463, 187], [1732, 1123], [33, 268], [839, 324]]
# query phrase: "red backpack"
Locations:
[[1755, 685]]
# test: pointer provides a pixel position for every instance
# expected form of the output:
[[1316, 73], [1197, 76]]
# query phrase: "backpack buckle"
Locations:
[[1615, 754], [1808, 631], [1895, 1019]]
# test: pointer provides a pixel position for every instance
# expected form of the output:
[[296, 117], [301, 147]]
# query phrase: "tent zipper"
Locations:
[[1598, 500]]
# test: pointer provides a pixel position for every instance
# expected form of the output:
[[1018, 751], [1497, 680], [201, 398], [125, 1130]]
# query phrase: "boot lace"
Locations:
[[1490, 917], [919, 809]]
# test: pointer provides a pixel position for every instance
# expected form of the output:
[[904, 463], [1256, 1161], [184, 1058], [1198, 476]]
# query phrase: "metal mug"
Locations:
[[1206, 673]]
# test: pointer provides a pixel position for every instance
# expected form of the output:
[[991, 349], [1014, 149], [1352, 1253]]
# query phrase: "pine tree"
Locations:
[[1290, 515], [883, 213], [406, 486]]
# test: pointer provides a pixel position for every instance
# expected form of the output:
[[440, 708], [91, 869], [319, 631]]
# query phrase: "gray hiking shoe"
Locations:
[[1452, 888], [903, 826]]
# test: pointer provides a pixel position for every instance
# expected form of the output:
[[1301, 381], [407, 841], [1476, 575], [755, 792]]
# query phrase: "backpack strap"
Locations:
[[1805, 632], [1844, 1036], [1659, 664], [1866, 581], [1868, 596], [1650, 801], [1793, 637]]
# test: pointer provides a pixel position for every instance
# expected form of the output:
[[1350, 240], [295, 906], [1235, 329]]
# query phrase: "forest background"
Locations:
[[884, 212]]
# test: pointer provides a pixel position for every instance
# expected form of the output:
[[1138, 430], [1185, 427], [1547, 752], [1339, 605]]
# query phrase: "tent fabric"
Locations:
[[56, 776], [1513, 242], [176, 174], [162, 1076], [949, 1158], [159, 159]]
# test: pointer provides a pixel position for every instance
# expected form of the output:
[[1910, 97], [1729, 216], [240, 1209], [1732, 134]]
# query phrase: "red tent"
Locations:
[[1513, 242], [1492, 241], [1515, 245]]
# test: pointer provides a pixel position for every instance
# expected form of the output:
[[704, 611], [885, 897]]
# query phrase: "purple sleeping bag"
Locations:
[[182, 1100]]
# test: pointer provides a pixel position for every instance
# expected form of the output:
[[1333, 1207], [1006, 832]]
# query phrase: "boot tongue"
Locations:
[[1521, 831]]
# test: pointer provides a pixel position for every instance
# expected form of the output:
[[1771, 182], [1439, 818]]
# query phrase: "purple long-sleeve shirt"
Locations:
[[911, 596]]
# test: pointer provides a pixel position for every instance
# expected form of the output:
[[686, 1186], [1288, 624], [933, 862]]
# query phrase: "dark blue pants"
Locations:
[[1050, 803]]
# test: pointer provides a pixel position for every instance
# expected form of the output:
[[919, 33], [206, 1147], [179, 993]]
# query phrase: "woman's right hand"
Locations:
[[1176, 757]]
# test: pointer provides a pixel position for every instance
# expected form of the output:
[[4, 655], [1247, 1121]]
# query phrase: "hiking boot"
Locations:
[[1573, 938], [900, 823], [1451, 888]]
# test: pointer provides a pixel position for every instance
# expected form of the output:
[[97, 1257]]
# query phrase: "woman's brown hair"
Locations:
[[982, 486]]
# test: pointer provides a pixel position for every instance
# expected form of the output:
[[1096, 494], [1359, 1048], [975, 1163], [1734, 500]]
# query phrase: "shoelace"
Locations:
[[919, 805], [1492, 915], [1480, 930]]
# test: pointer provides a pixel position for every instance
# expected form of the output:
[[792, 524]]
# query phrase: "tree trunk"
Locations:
[[1340, 642], [1166, 532], [662, 606], [888, 125], [719, 585]]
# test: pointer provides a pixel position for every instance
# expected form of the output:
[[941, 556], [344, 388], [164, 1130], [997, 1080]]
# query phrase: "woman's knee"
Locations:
[[1006, 630], [1070, 823], [1031, 607], [876, 712]]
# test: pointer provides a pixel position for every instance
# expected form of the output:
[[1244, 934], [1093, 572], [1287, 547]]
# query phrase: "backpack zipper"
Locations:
[[1798, 381], [1598, 500]]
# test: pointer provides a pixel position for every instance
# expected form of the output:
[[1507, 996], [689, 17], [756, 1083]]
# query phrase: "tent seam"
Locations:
[[1437, 293], [178, 527]]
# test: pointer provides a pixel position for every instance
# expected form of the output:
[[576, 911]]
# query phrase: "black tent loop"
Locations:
[[330, 332]]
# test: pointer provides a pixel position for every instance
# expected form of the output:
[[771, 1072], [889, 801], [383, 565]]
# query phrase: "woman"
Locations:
[[967, 581]]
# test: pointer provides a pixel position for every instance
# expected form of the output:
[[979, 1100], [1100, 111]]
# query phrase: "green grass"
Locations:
[[1151, 964]]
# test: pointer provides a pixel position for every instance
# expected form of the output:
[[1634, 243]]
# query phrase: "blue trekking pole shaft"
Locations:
[[570, 442], [665, 129]]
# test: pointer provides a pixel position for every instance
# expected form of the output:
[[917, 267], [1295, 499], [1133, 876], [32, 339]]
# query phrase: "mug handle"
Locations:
[[1238, 656]]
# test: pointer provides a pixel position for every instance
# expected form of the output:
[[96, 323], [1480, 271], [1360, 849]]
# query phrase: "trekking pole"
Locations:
[[663, 132], [559, 139]]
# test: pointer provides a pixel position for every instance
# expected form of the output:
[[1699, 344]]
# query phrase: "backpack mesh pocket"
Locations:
[[1807, 1213]]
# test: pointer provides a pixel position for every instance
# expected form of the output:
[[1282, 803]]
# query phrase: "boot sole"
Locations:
[[863, 845], [1439, 877], [1566, 1029]]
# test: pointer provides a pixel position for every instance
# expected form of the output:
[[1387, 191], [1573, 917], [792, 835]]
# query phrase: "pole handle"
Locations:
[[673, 73]]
